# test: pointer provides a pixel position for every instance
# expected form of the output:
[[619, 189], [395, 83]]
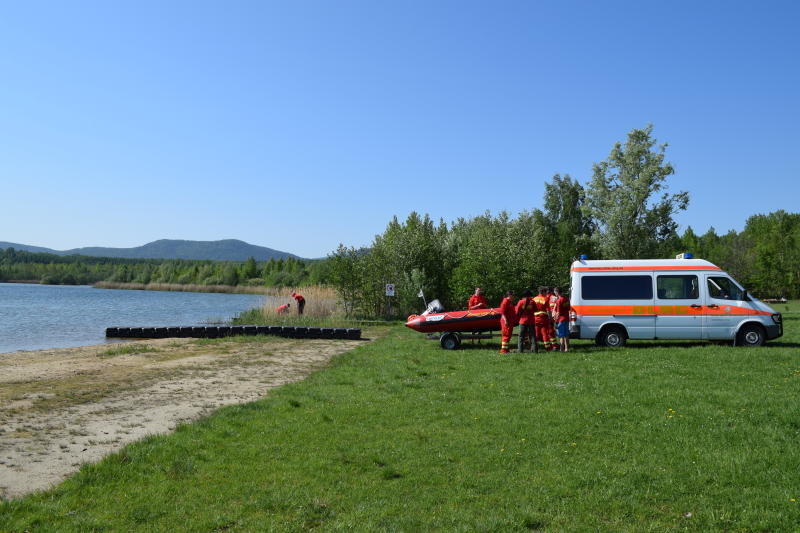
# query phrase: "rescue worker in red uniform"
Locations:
[[561, 312], [542, 319], [525, 309], [508, 319], [551, 302], [477, 300], [301, 302]]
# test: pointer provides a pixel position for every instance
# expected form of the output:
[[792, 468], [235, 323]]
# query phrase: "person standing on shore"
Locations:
[[477, 300], [508, 319], [301, 302]]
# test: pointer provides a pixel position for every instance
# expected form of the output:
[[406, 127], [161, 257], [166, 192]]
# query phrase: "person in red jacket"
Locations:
[[561, 317], [525, 316], [282, 309], [477, 300], [551, 301], [508, 319], [542, 319], [301, 302]]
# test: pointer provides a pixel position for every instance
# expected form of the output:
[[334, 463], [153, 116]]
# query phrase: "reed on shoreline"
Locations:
[[312, 292]]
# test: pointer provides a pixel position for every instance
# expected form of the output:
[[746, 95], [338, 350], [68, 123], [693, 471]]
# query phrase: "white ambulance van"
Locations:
[[682, 298]]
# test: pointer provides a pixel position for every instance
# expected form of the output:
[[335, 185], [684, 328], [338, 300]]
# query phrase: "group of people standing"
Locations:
[[542, 318]]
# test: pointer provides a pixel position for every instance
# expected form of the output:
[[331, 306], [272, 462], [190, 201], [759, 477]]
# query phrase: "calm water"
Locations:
[[34, 317]]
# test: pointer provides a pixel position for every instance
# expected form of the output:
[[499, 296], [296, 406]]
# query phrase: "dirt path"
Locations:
[[62, 408]]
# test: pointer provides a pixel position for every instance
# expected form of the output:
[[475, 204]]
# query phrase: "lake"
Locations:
[[35, 317]]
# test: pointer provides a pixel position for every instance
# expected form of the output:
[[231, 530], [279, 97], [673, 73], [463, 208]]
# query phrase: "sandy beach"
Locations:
[[61, 408]]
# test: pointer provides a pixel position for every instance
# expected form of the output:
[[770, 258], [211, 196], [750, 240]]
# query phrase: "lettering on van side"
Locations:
[[661, 310]]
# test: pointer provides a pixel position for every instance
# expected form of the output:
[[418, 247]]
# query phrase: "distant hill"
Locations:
[[225, 250]]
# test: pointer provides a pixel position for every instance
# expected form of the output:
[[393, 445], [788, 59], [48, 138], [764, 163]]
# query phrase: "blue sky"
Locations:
[[302, 124]]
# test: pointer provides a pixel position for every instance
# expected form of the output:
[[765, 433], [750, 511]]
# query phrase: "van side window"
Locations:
[[617, 287], [724, 289], [677, 288]]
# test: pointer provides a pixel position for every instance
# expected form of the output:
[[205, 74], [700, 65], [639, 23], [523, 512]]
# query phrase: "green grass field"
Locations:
[[401, 435]]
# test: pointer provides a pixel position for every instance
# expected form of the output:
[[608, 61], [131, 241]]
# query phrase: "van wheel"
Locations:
[[613, 337], [450, 341], [750, 335]]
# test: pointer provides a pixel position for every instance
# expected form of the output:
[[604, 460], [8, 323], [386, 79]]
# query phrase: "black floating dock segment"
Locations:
[[214, 332]]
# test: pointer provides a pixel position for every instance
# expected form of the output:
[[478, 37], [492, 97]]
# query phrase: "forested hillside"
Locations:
[[71, 270], [224, 250]]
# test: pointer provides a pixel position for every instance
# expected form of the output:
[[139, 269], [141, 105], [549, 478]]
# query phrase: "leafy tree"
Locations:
[[629, 223], [346, 275], [776, 252], [565, 227], [249, 269]]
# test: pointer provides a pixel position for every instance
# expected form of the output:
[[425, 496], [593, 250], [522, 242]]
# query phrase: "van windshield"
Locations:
[[724, 289]]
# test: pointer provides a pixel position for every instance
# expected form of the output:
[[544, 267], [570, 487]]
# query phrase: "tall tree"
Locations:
[[566, 226], [619, 199]]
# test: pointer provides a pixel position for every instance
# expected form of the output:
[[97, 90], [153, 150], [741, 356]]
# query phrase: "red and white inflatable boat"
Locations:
[[461, 321]]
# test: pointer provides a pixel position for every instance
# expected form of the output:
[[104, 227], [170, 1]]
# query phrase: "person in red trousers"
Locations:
[[542, 319], [508, 319]]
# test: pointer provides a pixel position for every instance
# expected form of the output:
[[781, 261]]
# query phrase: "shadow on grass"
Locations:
[[673, 344], [693, 344], [779, 344]]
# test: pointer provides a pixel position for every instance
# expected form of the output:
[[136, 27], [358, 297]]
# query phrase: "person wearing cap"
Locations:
[[301, 302]]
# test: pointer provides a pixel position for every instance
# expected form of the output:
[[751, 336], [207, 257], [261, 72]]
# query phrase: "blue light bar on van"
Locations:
[[584, 257], [685, 255]]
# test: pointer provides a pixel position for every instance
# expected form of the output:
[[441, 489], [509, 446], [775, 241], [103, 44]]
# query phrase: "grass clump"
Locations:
[[399, 434], [129, 349]]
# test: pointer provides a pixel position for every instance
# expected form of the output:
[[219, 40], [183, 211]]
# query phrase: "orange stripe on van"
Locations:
[[649, 310], [641, 268]]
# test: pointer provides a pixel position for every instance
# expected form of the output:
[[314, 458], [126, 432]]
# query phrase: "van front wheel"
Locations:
[[750, 335], [613, 337]]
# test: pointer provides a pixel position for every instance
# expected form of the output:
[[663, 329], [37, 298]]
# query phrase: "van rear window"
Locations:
[[617, 287]]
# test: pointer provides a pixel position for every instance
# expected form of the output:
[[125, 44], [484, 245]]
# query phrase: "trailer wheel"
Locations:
[[613, 337], [450, 341], [750, 335]]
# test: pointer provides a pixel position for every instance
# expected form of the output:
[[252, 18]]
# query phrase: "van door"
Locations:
[[725, 304], [679, 309]]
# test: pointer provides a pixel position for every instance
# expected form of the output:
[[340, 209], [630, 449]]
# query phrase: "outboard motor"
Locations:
[[435, 306]]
